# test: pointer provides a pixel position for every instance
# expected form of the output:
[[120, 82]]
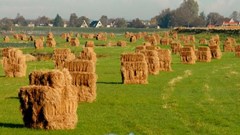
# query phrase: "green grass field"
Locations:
[[203, 98]]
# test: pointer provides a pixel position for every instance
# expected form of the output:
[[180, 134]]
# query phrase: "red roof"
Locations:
[[230, 23]]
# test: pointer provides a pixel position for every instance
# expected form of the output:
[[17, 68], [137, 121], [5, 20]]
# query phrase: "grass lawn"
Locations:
[[203, 98]]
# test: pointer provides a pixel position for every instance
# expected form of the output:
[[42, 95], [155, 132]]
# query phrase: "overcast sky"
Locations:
[[94, 9]]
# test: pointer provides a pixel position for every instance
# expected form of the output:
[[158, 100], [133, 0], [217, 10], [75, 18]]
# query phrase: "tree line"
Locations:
[[187, 14]]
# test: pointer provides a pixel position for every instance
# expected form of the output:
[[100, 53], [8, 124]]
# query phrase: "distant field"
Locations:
[[203, 98], [59, 30]]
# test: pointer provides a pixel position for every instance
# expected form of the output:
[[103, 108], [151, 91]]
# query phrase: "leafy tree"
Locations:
[[120, 22], [104, 20], [20, 20], [137, 23], [81, 19], [186, 13], [164, 19], [214, 18], [6, 24], [58, 21], [235, 15], [200, 21], [73, 21], [153, 22], [42, 21]]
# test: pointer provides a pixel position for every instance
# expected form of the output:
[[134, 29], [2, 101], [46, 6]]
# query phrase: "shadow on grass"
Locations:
[[12, 98], [10, 125], [109, 82]]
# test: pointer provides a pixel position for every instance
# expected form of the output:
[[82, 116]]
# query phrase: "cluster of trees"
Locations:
[[7, 23], [76, 21], [187, 14], [58, 21]]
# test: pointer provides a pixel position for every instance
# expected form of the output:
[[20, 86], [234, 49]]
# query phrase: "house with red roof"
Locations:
[[231, 22]]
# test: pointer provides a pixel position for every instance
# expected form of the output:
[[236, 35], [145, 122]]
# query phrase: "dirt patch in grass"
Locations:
[[186, 74], [42, 56], [102, 55]]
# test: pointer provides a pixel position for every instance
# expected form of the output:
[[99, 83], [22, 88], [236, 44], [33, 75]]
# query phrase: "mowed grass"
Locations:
[[203, 98]]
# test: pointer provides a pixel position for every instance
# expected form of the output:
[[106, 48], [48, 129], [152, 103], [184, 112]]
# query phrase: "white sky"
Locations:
[[94, 9]]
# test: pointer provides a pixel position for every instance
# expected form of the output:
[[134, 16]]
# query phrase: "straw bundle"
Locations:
[[50, 42], [38, 44], [65, 36], [85, 83], [182, 38], [6, 39], [111, 43], [140, 48], [151, 47], [215, 40], [132, 57], [157, 38], [89, 44], [31, 38], [176, 47], [146, 46], [212, 43], [188, 55], [5, 51], [228, 45], [133, 39], [14, 62], [42, 38], [84, 78], [152, 39], [101, 37], [61, 55], [190, 45], [237, 50], [50, 101], [77, 35], [165, 60], [15, 36], [80, 66], [74, 42], [138, 35], [152, 60], [50, 35], [143, 33], [203, 41], [122, 43], [134, 69], [128, 34], [112, 35], [203, 54], [87, 36], [216, 52], [23, 37], [175, 35], [88, 54], [191, 39], [166, 34], [165, 41]]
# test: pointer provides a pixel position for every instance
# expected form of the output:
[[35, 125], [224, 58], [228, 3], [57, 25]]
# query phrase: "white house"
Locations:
[[96, 24], [31, 24], [111, 24], [84, 24], [50, 25]]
